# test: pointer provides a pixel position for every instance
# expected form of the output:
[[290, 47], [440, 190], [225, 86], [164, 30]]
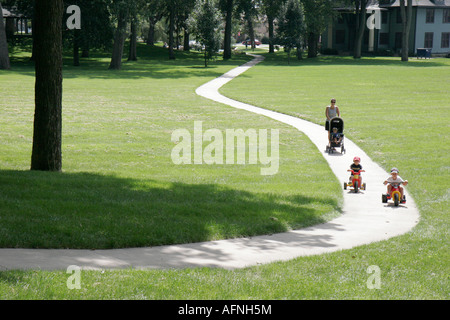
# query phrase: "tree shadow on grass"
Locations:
[[152, 63], [279, 60], [87, 210], [93, 69]]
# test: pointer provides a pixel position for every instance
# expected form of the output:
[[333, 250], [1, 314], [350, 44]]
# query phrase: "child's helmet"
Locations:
[[394, 170], [356, 159]]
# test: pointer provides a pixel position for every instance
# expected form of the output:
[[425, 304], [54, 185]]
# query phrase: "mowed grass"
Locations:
[[397, 112], [119, 186], [412, 266]]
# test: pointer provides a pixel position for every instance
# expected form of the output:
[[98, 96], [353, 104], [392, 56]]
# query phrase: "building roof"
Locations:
[[11, 13], [381, 5], [370, 5], [420, 3]]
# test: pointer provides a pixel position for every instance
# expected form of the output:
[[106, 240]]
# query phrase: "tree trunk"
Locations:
[[76, 48], [46, 153], [270, 25], [119, 41], [227, 35], [151, 32], [4, 54], [177, 36], [360, 24], [299, 53], [85, 52], [251, 31], [33, 24], [171, 31], [313, 40], [186, 46], [406, 14], [132, 55]]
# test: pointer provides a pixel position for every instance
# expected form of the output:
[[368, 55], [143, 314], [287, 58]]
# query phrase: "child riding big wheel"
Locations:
[[355, 179], [394, 185], [356, 167]]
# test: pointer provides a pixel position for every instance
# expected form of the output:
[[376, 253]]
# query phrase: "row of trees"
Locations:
[[205, 20], [107, 23], [294, 24]]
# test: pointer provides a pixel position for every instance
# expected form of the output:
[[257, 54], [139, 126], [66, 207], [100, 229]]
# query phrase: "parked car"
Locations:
[[249, 42]]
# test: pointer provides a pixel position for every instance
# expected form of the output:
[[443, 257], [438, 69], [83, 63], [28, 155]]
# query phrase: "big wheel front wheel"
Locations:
[[396, 199]]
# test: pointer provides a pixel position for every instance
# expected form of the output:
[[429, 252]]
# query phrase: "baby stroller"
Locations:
[[338, 124]]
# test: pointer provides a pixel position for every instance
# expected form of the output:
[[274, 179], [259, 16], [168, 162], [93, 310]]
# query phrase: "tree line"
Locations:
[[106, 24], [293, 24]]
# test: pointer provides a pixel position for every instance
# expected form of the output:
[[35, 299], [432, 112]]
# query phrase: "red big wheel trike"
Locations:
[[356, 182], [395, 195]]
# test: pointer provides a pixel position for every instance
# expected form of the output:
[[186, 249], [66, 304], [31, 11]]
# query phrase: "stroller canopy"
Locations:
[[337, 123]]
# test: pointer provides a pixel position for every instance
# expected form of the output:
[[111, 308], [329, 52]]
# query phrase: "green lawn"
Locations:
[[119, 182], [119, 186], [397, 112]]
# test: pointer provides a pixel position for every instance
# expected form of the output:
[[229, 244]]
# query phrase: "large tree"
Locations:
[[121, 10], [406, 14], [132, 52], [171, 9], [154, 11], [291, 27], [204, 23], [4, 55], [318, 13], [227, 7], [360, 9], [249, 9], [46, 153], [176, 13], [271, 8], [96, 28], [136, 8]]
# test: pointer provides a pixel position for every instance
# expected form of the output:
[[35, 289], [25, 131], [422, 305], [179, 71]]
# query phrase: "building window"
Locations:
[[340, 36], [430, 16], [428, 40], [446, 16], [384, 38], [445, 40]]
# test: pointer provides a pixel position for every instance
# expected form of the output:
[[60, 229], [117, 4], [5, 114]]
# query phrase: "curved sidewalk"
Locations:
[[365, 219]]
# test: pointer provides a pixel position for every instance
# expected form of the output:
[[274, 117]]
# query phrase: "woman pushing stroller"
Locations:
[[331, 112], [335, 127]]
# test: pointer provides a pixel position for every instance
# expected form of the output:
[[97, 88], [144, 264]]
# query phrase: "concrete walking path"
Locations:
[[365, 219]]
